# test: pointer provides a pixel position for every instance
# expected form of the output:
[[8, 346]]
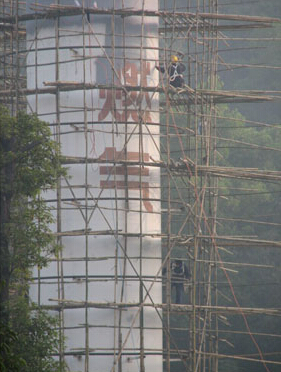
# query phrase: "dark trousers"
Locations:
[[178, 82], [179, 292]]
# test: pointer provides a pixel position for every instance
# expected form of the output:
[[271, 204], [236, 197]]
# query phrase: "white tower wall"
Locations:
[[109, 209]]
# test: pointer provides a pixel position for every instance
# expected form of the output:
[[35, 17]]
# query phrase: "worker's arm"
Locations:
[[160, 68], [181, 68]]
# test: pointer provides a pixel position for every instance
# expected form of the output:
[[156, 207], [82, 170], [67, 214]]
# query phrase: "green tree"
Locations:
[[37, 337], [250, 208], [29, 162], [8, 360]]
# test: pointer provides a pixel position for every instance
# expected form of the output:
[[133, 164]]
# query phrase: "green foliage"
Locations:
[[248, 199], [30, 154], [37, 337], [29, 162], [250, 208], [30, 340], [9, 361]]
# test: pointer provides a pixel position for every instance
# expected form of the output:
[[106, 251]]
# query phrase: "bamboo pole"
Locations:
[[172, 307], [53, 11]]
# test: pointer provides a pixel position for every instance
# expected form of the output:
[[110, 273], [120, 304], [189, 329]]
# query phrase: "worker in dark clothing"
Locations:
[[175, 70], [179, 273]]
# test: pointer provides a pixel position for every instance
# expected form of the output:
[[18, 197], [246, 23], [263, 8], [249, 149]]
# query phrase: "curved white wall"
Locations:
[[107, 129]]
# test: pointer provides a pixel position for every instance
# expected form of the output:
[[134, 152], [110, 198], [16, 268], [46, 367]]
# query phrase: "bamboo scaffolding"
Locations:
[[55, 11], [189, 197]]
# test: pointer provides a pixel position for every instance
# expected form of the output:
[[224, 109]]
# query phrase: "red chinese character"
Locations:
[[129, 102], [111, 154], [110, 104]]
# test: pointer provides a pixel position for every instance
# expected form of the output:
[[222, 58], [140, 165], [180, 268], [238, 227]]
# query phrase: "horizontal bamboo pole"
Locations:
[[64, 86], [211, 28], [238, 17], [54, 11], [172, 307], [181, 240], [225, 356], [107, 233], [184, 167], [228, 241]]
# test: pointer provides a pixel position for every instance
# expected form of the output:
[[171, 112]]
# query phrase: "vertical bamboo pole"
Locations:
[[59, 198], [140, 119], [86, 182], [189, 119], [194, 300], [117, 343], [124, 268], [168, 279]]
